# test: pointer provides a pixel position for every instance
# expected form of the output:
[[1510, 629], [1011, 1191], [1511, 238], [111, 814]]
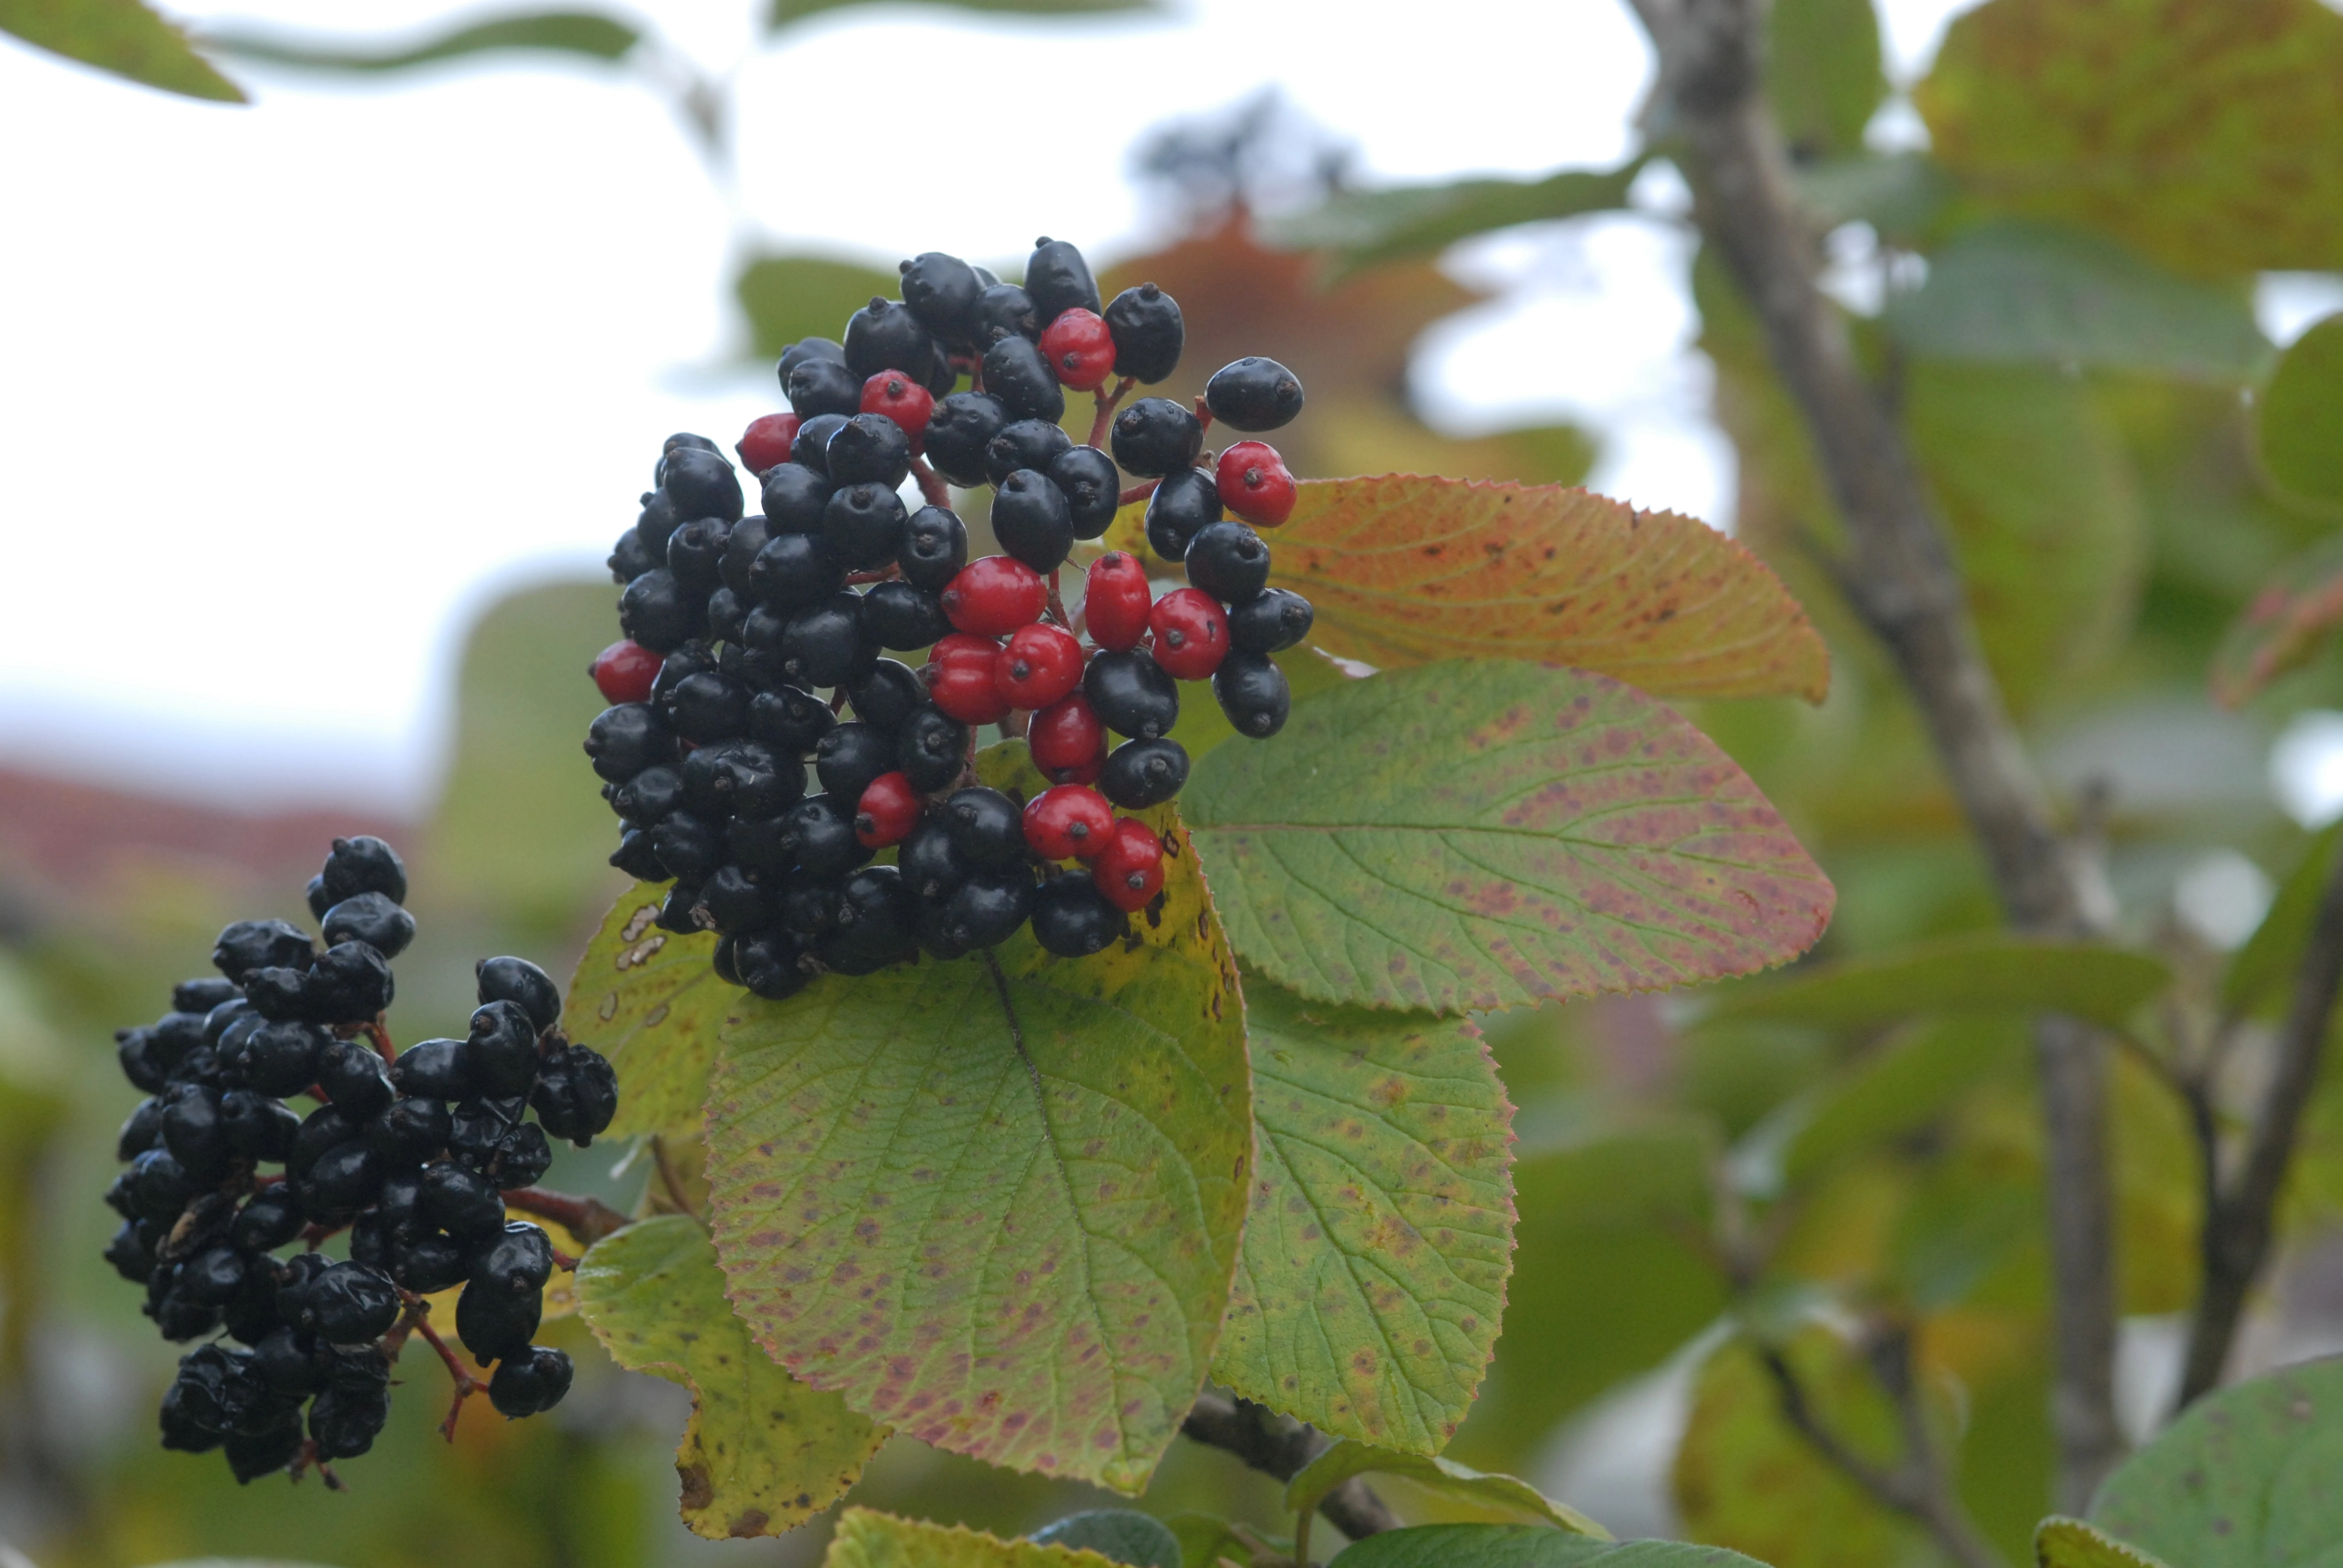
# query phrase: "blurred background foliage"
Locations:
[[2144, 494]]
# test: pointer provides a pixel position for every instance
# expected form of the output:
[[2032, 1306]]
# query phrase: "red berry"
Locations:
[[1192, 633], [962, 648], [967, 694], [1114, 601], [625, 670], [1079, 348], [903, 400], [765, 444], [1066, 736], [888, 812], [1041, 665], [1129, 869], [1070, 822], [1254, 484], [995, 595]]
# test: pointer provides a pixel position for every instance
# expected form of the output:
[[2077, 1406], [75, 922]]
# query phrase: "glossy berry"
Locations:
[[850, 757], [793, 500], [1132, 694], [765, 444], [1154, 437], [1143, 773], [1059, 279], [963, 648], [1042, 664], [1254, 693], [958, 432], [531, 1381], [1130, 870], [934, 548], [885, 334], [890, 694], [1092, 487], [702, 483], [1069, 822], [1079, 348], [1024, 444], [1074, 920], [1253, 394], [1032, 520], [806, 349], [1192, 633], [910, 405], [900, 618], [372, 918], [968, 695], [995, 595], [1229, 561], [659, 612], [1148, 333], [887, 813], [1254, 484], [1005, 310], [930, 748], [1115, 600], [1066, 737], [863, 524], [943, 291], [812, 447], [1016, 373], [625, 670], [986, 827], [818, 387], [1184, 505], [1270, 622], [869, 448], [988, 908]]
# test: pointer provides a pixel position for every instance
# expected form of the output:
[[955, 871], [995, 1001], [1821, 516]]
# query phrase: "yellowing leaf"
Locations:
[[1374, 1279], [999, 1209], [2298, 418], [1500, 1495], [1403, 569], [649, 1000], [763, 1453], [2072, 1543], [867, 1539]]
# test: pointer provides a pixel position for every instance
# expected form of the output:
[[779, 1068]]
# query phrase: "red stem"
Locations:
[[588, 1219], [466, 1384], [381, 1037], [1204, 414], [1057, 605], [931, 484], [1106, 405], [1138, 492]]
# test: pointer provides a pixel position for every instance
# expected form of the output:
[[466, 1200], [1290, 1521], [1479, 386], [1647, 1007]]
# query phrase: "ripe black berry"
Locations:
[[1254, 693], [789, 718], [932, 748], [659, 612], [1072, 919], [689, 844], [806, 349], [1023, 444], [793, 500], [343, 1423], [1016, 373], [1148, 333], [887, 696], [962, 426], [1184, 505], [869, 448], [577, 1095], [139, 1131], [431, 1263], [850, 756], [901, 616], [885, 335], [678, 442], [433, 1069], [1093, 489], [863, 524], [1033, 521], [735, 899], [1253, 394], [986, 908], [742, 777], [695, 553], [1132, 694], [986, 827], [493, 1324], [817, 387], [649, 796], [793, 570], [280, 1058], [872, 926], [502, 1048], [701, 484], [250, 945], [1058, 278], [824, 644], [373, 919], [1270, 622], [257, 1126], [191, 1130], [707, 707], [1154, 437], [204, 993], [943, 291], [934, 548], [810, 448], [1005, 310], [267, 1221], [1229, 561], [531, 1381], [636, 856], [819, 830], [345, 1304], [352, 1074], [339, 1182]]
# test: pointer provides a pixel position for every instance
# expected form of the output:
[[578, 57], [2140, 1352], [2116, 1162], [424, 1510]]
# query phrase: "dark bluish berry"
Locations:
[[872, 926], [191, 1130], [934, 548], [1270, 622], [352, 1074], [322, 1130], [146, 1066], [432, 1262], [689, 844], [1253, 394], [740, 547], [494, 1324], [702, 483], [502, 1048], [868, 449], [1072, 919], [343, 1423], [1094, 490], [863, 524], [735, 899], [789, 719], [531, 1381], [806, 349], [819, 830], [695, 553], [347, 1305], [958, 433], [1023, 444], [931, 864], [268, 1220], [887, 696], [251, 1455], [807, 910], [140, 1131], [1016, 372], [639, 857], [887, 334], [810, 448], [339, 1183], [661, 515], [741, 777], [943, 291], [794, 498], [205, 993], [630, 559], [850, 756], [930, 748], [365, 864], [989, 907], [819, 386], [986, 827], [464, 1204], [792, 571], [132, 1249], [279, 995], [479, 1133], [659, 612], [1228, 560], [1254, 693], [1148, 333], [577, 1094], [1184, 505], [1132, 694], [372, 918], [1033, 521], [433, 1069], [728, 615], [1005, 310], [1058, 278], [900, 617], [518, 1263], [708, 707], [281, 1057], [212, 1276], [1154, 437], [250, 945], [1143, 773], [349, 983], [257, 1126]]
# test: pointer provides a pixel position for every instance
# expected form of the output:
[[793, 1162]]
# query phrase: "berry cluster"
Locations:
[[736, 623], [411, 1152]]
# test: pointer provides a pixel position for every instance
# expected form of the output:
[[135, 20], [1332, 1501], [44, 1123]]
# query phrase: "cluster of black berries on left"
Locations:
[[735, 622], [411, 1154]]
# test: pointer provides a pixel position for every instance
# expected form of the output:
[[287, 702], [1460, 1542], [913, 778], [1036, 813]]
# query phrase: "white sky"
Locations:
[[288, 392]]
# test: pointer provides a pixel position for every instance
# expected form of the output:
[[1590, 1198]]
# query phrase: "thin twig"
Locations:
[[1106, 401], [588, 1219], [931, 484], [1279, 1446], [2239, 1218]]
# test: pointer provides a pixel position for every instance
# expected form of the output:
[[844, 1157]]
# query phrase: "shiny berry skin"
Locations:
[[1032, 520], [1115, 600], [967, 694], [888, 812], [1254, 693], [1132, 694], [1004, 310], [1192, 633], [943, 291], [1079, 348], [959, 431], [1229, 561], [1141, 773], [1093, 489], [1270, 622], [885, 335], [817, 387], [1074, 920], [901, 399], [957, 649], [986, 825], [902, 618], [995, 595], [1070, 822], [806, 349], [930, 748], [1015, 372], [934, 548], [625, 670], [1129, 869], [1042, 665], [1184, 505], [1155, 436], [1066, 737], [765, 444], [869, 448], [812, 447], [1256, 484], [1024, 444], [1148, 333], [1253, 394], [1059, 279]]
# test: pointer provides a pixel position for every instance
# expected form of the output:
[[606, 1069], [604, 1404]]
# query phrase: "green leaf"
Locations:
[[1523, 1546], [1118, 1534], [784, 12], [587, 32], [1898, 194], [787, 297], [650, 1000], [2072, 1543], [1822, 73], [2018, 292], [763, 1453], [2244, 1479], [2261, 968], [1892, 1091], [1986, 973], [120, 37], [2207, 136], [1373, 1282], [999, 1211], [2283, 628], [1205, 1539], [1500, 1494], [1485, 833], [1362, 228], [2051, 539], [2298, 422], [866, 1539]]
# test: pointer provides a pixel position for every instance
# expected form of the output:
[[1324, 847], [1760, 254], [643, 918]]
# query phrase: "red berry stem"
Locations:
[[381, 1037], [1138, 492], [466, 1383], [892, 570], [1204, 413], [931, 484], [588, 1219], [1106, 402], [1057, 605]]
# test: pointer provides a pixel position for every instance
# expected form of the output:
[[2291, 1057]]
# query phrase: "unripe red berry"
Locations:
[[1192, 633], [903, 400], [1129, 869], [624, 671], [962, 648], [1065, 738], [1070, 822], [1115, 600], [1079, 348], [1040, 664], [967, 694], [995, 595], [1254, 484], [888, 812], [765, 444]]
